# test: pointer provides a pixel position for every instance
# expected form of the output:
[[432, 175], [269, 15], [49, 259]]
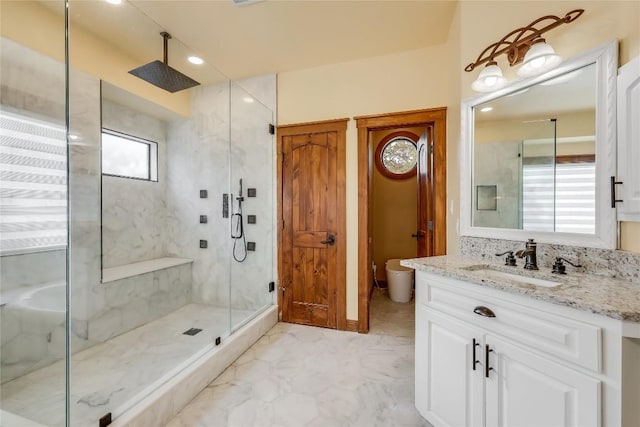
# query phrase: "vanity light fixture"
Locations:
[[524, 45], [490, 79]]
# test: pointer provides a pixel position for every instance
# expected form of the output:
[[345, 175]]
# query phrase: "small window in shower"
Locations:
[[127, 156]]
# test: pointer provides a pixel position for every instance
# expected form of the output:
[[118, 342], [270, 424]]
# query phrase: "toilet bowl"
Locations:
[[399, 280]]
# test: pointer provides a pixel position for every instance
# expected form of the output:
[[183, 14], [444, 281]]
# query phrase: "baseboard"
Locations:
[[352, 325]]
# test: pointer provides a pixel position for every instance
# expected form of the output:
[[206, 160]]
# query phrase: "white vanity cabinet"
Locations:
[[527, 389], [530, 365], [628, 112]]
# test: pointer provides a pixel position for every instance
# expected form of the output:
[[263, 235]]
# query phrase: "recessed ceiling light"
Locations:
[[248, 99], [114, 1], [245, 2], [486, 109], [196, 60]]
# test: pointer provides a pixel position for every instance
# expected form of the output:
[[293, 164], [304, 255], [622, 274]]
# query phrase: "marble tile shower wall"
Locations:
[[602, 262], [134, 212], [198, 159]]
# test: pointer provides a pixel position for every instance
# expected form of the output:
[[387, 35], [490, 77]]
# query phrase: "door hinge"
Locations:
[[430, 149], [272, 129], [430, 225], [272, 286], [283, 224]]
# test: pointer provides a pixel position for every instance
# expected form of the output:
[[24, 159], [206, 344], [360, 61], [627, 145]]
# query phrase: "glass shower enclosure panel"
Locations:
[[538, 175], [33, 215], [149, 261], [253, 187]]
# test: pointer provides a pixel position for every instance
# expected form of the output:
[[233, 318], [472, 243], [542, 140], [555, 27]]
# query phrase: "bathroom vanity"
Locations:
[[502, 346]]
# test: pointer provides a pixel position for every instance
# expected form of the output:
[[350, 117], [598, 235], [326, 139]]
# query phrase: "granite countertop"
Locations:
[[605, 296]]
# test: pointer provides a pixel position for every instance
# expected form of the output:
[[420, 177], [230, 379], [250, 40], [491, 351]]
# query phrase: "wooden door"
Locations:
[[313, 238], [425, 235]]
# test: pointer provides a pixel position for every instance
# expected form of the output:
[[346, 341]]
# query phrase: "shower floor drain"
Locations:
[[192, 331]]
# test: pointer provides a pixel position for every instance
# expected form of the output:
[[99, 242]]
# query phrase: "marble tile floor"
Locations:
[[112, 375], [305, 376], [387, 317]]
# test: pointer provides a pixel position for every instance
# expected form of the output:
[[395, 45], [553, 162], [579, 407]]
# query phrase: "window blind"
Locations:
[[570, 208], [33, 185]]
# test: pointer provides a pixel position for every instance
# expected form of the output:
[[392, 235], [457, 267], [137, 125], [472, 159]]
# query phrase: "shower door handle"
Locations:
[[330, 241]]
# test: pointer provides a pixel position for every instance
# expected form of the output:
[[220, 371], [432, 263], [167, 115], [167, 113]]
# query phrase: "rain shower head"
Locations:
[[160, 74]]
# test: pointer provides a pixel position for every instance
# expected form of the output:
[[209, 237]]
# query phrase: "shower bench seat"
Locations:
[[137, 268]]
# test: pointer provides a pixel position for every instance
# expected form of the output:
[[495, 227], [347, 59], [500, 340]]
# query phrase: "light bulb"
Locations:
[[489, 79], [539, 58]]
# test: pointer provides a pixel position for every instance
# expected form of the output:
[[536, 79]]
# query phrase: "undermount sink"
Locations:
[[495, 274]]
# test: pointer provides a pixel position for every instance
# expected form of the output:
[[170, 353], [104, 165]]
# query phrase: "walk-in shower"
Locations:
[[117, 270]]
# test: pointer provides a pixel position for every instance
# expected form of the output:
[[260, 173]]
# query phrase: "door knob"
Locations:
[[418, 235], [330, 241]]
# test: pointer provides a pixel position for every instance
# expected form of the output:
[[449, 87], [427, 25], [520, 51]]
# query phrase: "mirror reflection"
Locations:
[[534, 157]]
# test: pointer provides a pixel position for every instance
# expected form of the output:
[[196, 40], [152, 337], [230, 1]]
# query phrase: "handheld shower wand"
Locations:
[[239, 229]]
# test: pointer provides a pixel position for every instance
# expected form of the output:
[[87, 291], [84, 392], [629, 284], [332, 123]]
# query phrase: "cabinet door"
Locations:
[[449, 392], [524, 390], [629, 141]]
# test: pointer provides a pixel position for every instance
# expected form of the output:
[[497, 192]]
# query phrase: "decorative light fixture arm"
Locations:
[[518, 47]]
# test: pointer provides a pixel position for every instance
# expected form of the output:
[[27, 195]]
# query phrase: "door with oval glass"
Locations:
[[425, 234]]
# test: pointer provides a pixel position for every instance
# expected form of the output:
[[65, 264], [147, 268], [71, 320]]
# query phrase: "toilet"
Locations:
[[399, 280]]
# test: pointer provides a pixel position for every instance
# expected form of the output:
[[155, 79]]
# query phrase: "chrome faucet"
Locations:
[[529, 254]]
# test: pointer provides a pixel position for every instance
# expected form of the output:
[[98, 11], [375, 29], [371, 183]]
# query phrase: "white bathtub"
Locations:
[[50, 297], [33, 322]]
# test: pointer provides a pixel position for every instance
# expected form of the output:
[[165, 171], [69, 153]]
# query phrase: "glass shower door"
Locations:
[[539, 176], [33, 215], [252, 227]]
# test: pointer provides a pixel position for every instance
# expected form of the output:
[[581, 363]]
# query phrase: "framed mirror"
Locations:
[[537, 156]]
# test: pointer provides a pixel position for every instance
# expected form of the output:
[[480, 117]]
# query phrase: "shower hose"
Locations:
[[238, 235]]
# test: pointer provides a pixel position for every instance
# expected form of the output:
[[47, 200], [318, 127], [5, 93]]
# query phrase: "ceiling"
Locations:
[[271, 36]]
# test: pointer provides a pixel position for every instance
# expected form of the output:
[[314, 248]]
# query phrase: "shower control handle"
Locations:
[[331, 240]]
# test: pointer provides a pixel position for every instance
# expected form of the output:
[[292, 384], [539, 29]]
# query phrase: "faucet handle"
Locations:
[[560, 268], [510, 260]]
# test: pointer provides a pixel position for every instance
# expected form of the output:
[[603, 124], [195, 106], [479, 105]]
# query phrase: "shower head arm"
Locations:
[[166, 36]]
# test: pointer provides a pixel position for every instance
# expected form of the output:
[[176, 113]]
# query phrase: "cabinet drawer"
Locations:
[[571, 340]]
